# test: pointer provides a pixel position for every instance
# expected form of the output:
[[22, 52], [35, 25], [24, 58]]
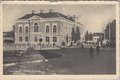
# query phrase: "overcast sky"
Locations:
[[93, 17]]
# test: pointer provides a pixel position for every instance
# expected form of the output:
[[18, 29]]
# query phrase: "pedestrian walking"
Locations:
[[98, 49], [82, 46], [91, 52], [19, 55], [53, 44]]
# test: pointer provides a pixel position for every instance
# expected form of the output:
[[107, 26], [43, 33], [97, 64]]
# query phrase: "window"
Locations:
[[26, 29], [26, 39], [54, 39], [47, 29], [54, 29], [47, 39], [35, 27], [36, 39], [20, 30], [20, 39]]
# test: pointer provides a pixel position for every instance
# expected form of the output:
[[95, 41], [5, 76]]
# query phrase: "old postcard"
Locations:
[[44, 40]]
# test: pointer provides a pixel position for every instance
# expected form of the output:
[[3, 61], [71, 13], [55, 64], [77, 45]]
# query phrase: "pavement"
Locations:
[[72, 61]]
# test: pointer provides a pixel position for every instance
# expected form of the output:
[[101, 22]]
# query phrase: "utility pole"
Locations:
[[29, 35], [104, 28], [104, 34], [109, 30]]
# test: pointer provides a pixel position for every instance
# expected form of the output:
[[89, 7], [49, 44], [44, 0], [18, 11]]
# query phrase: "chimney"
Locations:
[[68, 16], [50, 10], [33, 11], [41, 11], [74, 17]]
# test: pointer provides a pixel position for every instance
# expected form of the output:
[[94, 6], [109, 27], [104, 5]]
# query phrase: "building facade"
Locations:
[[97, 37], [52, 27], [110, 33]]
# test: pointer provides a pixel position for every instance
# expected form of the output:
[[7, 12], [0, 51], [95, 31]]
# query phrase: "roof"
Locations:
[[97, 34], [8, 34], [47, 15]]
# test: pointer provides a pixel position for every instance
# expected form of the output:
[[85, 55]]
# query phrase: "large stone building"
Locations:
[[52, 27], [110, 33]]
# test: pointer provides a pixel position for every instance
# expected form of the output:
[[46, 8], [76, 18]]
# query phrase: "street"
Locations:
[[69, 61]]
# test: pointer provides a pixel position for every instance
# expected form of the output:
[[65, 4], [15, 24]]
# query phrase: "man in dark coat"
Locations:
[[98, 49], [91, 52]]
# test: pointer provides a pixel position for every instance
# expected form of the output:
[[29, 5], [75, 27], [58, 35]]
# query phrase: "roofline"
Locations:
[[46, 18]]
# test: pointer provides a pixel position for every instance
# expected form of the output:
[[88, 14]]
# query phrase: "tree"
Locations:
[[77, 34], [86, 36], [73, 34], [90, 36]]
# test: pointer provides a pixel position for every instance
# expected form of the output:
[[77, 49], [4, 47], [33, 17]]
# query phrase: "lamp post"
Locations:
[[67, 38], [29, 34], [109, 31], [40, 40]]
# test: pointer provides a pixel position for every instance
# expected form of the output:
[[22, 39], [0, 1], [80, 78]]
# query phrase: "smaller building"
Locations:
[[8, 37], [97, 37], [110, 33]]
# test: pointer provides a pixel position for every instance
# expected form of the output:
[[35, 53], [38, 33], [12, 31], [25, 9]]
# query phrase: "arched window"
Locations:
[[26, 29], [35, 27], [47, 29], [36, 39], [20, 30], [54, 29], [26, 39]]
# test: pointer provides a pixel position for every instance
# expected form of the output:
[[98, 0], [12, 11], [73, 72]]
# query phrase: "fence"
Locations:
[[26, 46]]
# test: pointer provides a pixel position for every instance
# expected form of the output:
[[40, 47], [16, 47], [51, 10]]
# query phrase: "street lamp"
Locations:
[[40, 40], [67, 38], [29, 34]]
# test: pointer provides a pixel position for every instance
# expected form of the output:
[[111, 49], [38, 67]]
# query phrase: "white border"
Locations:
[[61, 77]]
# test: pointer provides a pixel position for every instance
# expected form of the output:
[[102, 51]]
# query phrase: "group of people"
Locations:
[[91, 51]]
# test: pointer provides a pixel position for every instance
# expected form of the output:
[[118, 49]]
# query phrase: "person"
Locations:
[[91, 52], [98, 49], [19, 55], [53, 44], [82, 46]]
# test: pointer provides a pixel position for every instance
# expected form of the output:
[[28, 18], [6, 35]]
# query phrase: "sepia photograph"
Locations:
[[60, 38]]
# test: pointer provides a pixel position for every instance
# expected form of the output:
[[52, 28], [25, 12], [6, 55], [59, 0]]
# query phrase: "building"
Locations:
[[97, 37], [8, 37], [48, 29], [110, 33]]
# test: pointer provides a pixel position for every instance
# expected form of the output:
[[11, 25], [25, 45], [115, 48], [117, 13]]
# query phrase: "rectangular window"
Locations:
[[20, 39], [47, 39], [36, 39], [26, 39], [54, 39]]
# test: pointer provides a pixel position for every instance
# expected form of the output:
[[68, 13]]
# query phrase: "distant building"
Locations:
[[52, 27], [97, 37], [110, 33], [8, 37]]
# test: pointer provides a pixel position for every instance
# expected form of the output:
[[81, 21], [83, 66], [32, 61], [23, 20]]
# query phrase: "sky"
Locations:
[[93, 17]]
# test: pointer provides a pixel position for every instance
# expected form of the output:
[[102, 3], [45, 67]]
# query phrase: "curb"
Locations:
[[12, 64]]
